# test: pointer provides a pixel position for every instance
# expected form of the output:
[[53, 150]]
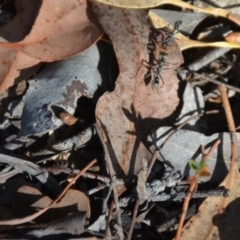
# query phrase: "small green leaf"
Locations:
[[202, 165], [193, 165]]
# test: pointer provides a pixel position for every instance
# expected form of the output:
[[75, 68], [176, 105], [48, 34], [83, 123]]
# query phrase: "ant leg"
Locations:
[[150, 67], [136, 73], [143, 65], [161, 85], [148, 64], [161, 80]]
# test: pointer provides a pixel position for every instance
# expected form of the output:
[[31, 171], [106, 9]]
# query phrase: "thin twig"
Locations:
[[231, 126], [234, 151], [110, 209], [113, 179], [97, 189], [105, 201], [190, 192], [37, 214], [58, 170], [135, 211], [207, 156], [153, 160], [136, 206], [230, 87]]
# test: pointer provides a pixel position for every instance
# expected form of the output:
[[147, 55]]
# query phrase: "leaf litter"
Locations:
[[138, 112], [133, 133], [45, 32]]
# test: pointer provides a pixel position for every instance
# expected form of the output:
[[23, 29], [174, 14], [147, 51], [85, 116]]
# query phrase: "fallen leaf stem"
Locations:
[[110, 210]]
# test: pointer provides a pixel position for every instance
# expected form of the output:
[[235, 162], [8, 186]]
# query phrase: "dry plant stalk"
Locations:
[[233, 167], [136, 206], [113, 184], [191, 191]]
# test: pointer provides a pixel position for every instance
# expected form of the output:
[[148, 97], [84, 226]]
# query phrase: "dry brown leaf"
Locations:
[[26, 13], [16, 66], [30, 200], [61, 29], [143, 4], [133, 109], [49, 31], [202, 224]]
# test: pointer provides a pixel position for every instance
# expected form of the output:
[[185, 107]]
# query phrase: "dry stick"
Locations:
[[96, 189], [232, 130], [113, 179], [190, 192], [218, 83], [110, 209], [135, 211], [203, 150], [35, 215], [86, 175], [105, 201], [156, 153], [136, 206], [233, 167]]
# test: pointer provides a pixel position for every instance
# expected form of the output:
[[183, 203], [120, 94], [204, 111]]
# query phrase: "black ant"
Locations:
[[163, 54]]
